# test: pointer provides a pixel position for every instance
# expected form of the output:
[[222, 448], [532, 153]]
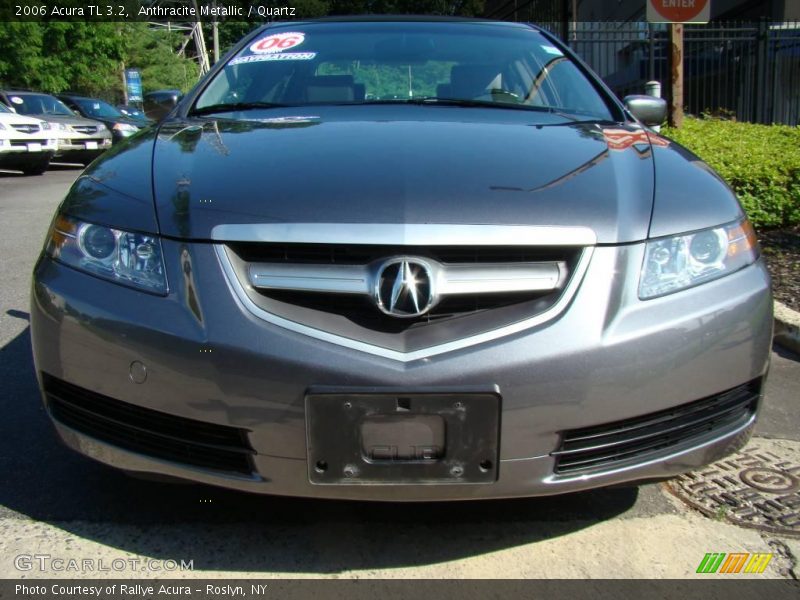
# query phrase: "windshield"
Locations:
[[354, 63], [97, 108], [3, 109], [39, 104]]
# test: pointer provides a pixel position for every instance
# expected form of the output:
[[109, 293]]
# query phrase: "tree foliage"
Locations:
[[58, 56], [155, 52], [88, 58], [760, 162]]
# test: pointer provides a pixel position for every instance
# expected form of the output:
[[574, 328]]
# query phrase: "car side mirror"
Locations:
[[158, 108], [648, 109]]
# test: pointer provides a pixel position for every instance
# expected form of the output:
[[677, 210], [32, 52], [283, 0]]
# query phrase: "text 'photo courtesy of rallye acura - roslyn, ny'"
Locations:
[[402, 259]]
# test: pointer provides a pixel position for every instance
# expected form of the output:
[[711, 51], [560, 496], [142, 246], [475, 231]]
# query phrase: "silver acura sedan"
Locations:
[[402, 259]]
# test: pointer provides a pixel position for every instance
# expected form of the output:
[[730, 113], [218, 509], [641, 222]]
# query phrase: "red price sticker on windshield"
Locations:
[[278, 42]]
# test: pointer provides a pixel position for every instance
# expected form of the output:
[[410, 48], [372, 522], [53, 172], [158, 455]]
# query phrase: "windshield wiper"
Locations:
[[233, 107], [435, 100]]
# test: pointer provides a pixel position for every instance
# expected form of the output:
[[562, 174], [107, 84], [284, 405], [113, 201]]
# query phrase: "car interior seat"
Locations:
[[330, 88], [472, 81]]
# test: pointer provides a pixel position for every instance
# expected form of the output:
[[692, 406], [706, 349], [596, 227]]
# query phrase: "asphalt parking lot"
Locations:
[[56, 502]]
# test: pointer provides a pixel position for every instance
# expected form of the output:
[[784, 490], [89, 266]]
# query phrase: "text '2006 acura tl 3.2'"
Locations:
[[402, 259]]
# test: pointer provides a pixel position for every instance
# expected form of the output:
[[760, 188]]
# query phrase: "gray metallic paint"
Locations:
[[689, 194], [609, 356], [411, 164]]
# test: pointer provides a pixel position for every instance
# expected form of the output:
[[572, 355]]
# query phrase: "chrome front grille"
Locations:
[[27, 127], [448, 279], [348, 285], [85, 129], [399, 299]]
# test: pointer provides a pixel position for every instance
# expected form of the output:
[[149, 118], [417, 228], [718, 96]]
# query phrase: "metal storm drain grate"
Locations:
[[758, 487]]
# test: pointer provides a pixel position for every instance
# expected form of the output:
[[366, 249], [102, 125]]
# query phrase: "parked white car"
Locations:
[[26, 144]]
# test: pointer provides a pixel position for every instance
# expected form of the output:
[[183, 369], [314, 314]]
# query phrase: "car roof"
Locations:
[[21, 92], [400, 19], [403, 18], [77, 95]]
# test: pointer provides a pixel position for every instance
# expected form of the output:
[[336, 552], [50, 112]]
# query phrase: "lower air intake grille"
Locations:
[[636, 440], [148, 431]]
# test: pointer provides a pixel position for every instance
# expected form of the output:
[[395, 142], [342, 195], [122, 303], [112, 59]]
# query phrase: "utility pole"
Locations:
[[193, 30], [574, 19], [215, 34], [124, 85], [676, 77], [200, 42]]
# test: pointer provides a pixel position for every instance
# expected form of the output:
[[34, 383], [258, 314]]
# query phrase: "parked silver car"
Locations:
[[402, 259]]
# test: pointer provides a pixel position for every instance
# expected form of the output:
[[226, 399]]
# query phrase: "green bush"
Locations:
[[760, 162]]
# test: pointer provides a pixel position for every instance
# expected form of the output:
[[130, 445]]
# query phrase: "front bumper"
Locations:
[[607, 358], [82, 150]]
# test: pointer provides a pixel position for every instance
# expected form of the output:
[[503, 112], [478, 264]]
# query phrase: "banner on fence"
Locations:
[[133, 85]]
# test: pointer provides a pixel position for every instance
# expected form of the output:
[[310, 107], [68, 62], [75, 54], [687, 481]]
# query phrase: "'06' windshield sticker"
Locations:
[[262, 57], [278, 42]]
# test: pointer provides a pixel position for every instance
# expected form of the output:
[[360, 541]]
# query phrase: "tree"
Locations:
[[87, 58], [58, 56], [155, 52]]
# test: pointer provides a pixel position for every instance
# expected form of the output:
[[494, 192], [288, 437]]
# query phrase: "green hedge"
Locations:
[[760, 162]]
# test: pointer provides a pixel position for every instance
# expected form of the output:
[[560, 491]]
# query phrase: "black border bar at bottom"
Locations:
[[715, 587]]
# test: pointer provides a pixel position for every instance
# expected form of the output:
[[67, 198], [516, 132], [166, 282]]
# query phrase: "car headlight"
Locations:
[[101, 127], [125, 257], [45, 126], [679, 262], [2, 126], [125, 129]]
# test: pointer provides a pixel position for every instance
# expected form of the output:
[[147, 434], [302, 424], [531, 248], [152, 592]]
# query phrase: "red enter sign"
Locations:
[[678, 11]]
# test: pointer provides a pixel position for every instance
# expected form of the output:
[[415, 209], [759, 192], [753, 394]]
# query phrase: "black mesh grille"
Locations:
[[26, 128], [146, 431], [361, 310], [362, 254], [634, 440]]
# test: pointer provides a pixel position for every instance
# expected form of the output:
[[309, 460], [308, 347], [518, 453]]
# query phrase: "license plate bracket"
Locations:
[[397, 437]]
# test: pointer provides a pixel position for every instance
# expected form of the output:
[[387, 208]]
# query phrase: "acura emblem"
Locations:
[[404, 287]]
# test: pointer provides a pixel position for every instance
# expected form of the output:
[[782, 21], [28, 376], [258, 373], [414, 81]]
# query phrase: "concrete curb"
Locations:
[[787, 327]]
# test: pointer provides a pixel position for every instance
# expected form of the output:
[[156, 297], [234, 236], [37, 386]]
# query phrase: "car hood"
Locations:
[[66, 119], [402, 165], [16, 119], [111, 121]]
